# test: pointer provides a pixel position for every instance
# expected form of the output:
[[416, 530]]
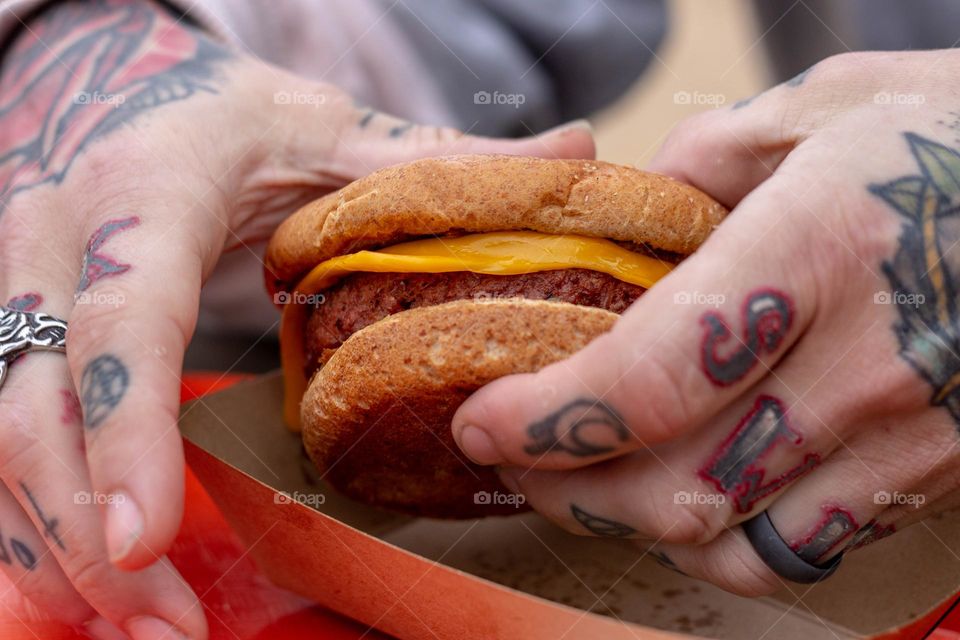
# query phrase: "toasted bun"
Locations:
[[376, 417], [477, 194]]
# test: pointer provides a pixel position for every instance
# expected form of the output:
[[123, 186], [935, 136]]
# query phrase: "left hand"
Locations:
[[803, 361]]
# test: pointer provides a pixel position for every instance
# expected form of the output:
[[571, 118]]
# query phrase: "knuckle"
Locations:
[[736, 568], [87, 572], [659, 377], [691, 524]]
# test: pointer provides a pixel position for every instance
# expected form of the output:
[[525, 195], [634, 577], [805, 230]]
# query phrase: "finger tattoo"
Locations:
[[737, 470], [767, 317], [601, 526], [96, 265], [869, 534], [581, 428], [20, 551], [102, 386], [924, 274], [836, 524], [27, 302], [49, 524], [70, 413]]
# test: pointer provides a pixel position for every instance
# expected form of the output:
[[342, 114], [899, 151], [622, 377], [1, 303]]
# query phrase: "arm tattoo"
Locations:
[[601, 526], [49, 524], [96, 265], [81, 70], [835, 525], [103, 384], [582, 428], [869, 534], [736, 468], [767, 317], [26, 302], [923, 272], [21, 552]]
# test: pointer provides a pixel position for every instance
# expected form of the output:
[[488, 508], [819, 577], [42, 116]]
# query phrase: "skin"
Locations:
[[824, 388], [134, 151]]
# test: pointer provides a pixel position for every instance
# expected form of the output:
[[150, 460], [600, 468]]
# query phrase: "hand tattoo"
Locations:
[[923, 272], [97, 266], [27, 302], [21, 552], [735, 468], [869, 534], [767, 316], [102, 386], [795, 81], [582, 428], [601, 526], [837, 523], [83, 69], [49, 524]]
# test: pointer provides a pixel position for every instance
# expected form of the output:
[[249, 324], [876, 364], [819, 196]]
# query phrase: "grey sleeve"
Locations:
[[512, 68]]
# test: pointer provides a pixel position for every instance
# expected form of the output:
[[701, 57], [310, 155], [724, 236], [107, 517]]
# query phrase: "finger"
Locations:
[[633, 386], [43, 464], [136, 308]]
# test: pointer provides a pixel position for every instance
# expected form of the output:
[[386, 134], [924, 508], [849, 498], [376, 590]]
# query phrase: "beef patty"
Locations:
[[363, 298]]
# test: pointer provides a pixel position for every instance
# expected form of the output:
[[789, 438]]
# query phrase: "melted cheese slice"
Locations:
[[499, 253]]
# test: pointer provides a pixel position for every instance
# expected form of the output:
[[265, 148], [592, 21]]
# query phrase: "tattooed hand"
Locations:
[[806, 361], [134, 151]]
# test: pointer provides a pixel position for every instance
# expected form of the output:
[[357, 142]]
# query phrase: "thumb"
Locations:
[[377, 140]]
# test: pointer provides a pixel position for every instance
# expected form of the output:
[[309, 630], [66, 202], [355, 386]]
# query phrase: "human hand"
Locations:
[[803, 361], [133, 152]]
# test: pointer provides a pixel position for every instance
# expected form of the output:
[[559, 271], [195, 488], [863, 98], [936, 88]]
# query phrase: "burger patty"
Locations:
[[363, 298]]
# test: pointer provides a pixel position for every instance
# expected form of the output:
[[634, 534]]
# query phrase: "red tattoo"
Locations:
[[836, 524], [97, 266], [735, 468], [27, 302], [870, 533], [71, 413], [767, 317]]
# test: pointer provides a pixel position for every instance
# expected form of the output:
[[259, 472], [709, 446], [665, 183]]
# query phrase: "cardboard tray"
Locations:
[[520, 576]]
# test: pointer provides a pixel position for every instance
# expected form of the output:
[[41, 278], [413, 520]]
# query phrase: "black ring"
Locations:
[[778, 555]]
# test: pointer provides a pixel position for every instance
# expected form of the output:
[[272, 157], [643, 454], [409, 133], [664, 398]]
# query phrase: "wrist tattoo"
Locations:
[[50, 525], [737, 469], [19, 551], [923, 273], [603, 527], [96, 265], [102, 386], [767, 317], [26, 302], [582, 428], [835, 525], [83, 69], [869, 534]]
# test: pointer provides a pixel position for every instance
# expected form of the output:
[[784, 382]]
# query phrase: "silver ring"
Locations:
[[24, 331]]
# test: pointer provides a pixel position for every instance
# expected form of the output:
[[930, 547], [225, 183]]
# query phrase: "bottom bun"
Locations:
[[376, 417]]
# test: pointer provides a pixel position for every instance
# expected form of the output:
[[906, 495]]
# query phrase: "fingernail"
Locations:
[[102, 629], [568, 127], [124, 525], [510, 479], [478, 446], [150, 628]]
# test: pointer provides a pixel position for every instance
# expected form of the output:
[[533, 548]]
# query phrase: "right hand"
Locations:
[[133, 152]]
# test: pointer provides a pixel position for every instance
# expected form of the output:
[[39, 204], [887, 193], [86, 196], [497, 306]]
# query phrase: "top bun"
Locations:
[[479, 194]]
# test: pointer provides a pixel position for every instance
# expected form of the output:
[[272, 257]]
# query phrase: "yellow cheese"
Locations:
[[499, 253]]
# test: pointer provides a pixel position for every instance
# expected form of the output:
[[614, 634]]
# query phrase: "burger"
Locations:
[[407, 290]]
